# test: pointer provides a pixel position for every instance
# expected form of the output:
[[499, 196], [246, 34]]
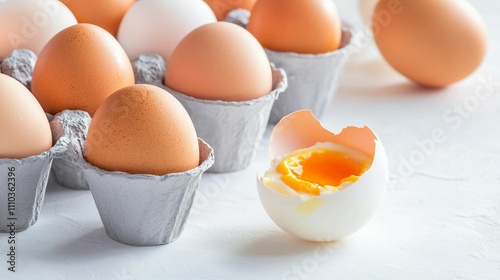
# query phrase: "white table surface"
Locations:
[[440, 218]]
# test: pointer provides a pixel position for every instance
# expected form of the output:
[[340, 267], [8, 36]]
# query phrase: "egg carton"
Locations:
[[313, 79], [235, 140], [139, 210], [233, 129]]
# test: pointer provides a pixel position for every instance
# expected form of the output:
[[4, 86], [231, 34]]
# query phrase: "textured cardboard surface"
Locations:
[[19, 65], [72, 124], [145, 210]]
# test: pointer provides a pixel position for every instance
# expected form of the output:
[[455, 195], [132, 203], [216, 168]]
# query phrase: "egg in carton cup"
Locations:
[[312, 78], [27, 150], [143, 163]]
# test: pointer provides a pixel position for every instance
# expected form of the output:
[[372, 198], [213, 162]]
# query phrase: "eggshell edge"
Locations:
[[332, 216]]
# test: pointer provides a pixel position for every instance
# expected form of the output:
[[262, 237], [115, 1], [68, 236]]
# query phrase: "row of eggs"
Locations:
[[419, 39], [156, 26]]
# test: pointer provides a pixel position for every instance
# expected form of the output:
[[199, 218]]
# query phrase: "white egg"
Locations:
[[331, 215], [157, 26], [366, 8], [30, 24]]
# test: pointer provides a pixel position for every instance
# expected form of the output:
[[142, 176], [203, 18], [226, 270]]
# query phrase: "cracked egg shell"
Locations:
[[331, 215]]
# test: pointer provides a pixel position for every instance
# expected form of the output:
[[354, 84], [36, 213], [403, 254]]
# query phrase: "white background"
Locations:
[[440, 218]]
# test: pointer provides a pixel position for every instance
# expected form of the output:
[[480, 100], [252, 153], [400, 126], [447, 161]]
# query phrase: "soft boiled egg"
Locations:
[[322, 186]]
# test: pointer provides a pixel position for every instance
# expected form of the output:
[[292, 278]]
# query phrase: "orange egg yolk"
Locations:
[[315, 170]]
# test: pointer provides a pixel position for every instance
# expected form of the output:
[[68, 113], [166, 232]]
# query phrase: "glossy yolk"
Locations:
[[312, 171]]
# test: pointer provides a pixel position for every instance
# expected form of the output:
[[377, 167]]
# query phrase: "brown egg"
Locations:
[[307, 27], [219, 61], [142, 129], [24, 128], [433, 43], [79, 68], [104, 13], [222, 7]]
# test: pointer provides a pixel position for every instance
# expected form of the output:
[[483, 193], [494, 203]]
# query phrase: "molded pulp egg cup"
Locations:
[[313, 79], [25, 184], [330, 216], [233, 129], [142, 209]]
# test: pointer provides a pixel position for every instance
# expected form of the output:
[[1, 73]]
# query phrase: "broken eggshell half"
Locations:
[[331, 215]]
